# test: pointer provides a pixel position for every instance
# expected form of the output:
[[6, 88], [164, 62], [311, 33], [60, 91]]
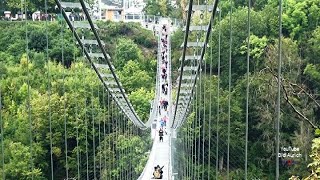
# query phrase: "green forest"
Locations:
[[300, 108], [64, 85], [64, 88]]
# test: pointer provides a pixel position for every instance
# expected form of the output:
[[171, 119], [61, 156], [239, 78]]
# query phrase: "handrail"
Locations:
[[215, 5], [183, 58], [155, 107]]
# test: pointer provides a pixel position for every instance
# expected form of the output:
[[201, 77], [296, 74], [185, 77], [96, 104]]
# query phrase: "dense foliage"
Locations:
[[300, 109], [299, 93], [77, 97]]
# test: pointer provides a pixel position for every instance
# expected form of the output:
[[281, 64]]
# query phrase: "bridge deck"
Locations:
[[160, 153]]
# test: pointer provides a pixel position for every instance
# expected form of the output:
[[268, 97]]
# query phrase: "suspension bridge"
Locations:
[[184, 128]]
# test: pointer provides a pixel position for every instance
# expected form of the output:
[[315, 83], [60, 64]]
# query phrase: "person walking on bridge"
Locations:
[[161, 135]]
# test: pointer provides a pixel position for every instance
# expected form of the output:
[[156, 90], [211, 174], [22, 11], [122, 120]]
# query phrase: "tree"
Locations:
[[3, 70], [313, 49], [37, 41], [140, 100], [19, 166], [133, 78], [315, 164], [300, 16], [126, 50], [158, 8]]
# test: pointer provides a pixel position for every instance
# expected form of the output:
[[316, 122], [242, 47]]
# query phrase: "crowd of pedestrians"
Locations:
[[163, 102]]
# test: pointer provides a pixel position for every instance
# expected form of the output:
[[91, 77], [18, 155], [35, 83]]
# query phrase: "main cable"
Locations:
[[215, 5], [136, 119], [183, 58]]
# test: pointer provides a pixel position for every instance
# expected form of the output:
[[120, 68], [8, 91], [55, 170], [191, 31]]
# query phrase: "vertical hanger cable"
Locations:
[[229, 91], [247, 92]]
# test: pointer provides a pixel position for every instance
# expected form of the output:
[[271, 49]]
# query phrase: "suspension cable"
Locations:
[[279, 91], [77, 138], [193, 142], [210, 102], [93, 132], [195, 135], [116, 142], [65, 98], [110, 135], [131, 170], [189, 150], [247, 93], [85, 108], [49, 87], [99, 127], [126, 151], [120, 122], [218, 97], [2, 134], [229, 91], [77, 119], [104, 132], [121, 119], [29, 93], [104, 152], [197, 138], [204, 107], [86, 126], [113, 127], [125, 148], [199, 117], [118, 116], [184, 153]]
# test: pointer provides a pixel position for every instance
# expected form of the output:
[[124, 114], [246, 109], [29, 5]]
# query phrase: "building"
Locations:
[[112, 10], [122, 10]]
